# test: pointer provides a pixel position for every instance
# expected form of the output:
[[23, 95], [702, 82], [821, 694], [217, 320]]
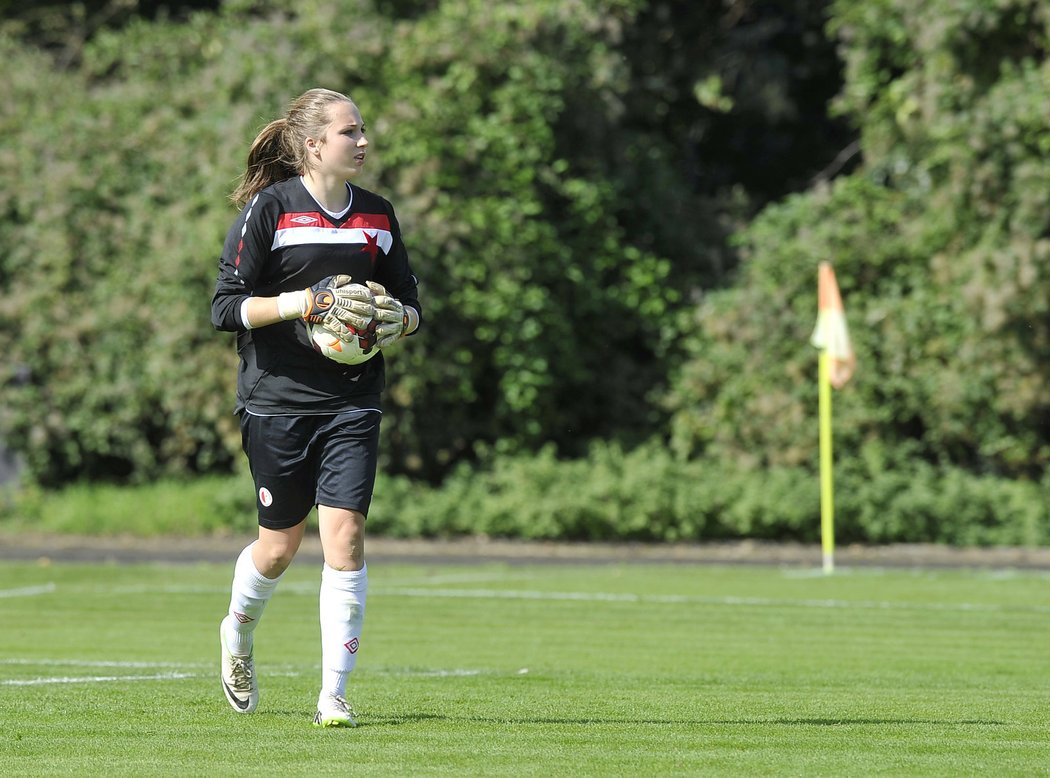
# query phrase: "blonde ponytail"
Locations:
[[279, 150]]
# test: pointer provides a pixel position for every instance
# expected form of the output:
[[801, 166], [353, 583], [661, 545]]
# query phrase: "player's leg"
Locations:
[[283, 503], [255, 577], [344, 494], [344, 590]]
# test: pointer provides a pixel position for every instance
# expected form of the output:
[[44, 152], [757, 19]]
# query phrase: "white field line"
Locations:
[[174, 667], [311, 589], [166, 589], [681, 599], [461, 578], [134, 589], [28, 591], [155, 677], [96, 679], [175, 671], [39, 662]]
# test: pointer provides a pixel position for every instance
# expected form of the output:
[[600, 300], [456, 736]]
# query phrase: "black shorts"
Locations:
[[298, 462]]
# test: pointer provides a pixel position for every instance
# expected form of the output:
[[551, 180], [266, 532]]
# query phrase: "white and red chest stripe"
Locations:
[[364, 229]]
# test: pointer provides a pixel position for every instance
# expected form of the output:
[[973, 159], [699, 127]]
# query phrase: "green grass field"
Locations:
[[552, 670]]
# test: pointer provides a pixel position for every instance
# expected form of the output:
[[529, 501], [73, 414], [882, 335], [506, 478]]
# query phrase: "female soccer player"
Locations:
[[309, 425]]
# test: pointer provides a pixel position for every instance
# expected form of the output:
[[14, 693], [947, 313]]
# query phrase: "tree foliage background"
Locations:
[[616, 209]]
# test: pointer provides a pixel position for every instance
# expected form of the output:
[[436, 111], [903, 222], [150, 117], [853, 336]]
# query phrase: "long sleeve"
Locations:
[[243, 261]]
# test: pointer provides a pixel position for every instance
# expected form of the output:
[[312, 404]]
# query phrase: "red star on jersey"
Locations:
[[371, 245]]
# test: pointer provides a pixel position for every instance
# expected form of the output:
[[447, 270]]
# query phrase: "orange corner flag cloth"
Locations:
[[831, 334]]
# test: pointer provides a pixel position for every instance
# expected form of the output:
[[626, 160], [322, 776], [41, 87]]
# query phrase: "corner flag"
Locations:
[[837, 362], [831, 335]]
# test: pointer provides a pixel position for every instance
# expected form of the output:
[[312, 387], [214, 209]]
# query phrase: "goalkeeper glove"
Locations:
[[330, 300], [390, 315]]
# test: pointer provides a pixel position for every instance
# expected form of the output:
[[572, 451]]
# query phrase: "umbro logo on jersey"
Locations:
[[304, 219]]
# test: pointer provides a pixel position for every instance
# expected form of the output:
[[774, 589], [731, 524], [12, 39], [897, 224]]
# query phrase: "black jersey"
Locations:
[[283, 241]]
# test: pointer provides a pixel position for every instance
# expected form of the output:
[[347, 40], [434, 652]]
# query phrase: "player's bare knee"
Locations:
[[273, 555]]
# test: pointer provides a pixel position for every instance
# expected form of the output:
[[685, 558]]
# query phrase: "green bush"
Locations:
[[205, 506], [649, 495], [644, 495], [532, 282], [885, 500]]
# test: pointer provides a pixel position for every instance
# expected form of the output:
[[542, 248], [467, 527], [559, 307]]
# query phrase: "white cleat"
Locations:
[[238, 677], [334, 711]]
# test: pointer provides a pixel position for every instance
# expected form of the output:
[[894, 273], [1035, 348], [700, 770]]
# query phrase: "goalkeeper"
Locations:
[[308, 246]]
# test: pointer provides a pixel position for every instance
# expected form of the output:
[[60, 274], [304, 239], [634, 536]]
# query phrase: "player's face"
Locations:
[[344, 149]]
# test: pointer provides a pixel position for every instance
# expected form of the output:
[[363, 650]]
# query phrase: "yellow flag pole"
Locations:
[[837, 362], [827, 502]]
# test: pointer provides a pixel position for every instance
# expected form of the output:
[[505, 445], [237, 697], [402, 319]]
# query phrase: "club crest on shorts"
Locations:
[[265, 498]]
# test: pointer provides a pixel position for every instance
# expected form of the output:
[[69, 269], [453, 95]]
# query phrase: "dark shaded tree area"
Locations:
[[742, 89], [63, 28]]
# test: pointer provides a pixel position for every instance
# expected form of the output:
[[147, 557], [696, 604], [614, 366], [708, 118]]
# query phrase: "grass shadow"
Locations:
[[846, 722], [415, 718]]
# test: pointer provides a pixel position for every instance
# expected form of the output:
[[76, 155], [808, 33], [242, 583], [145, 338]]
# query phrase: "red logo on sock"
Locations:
[[351, 646], [242, 617]]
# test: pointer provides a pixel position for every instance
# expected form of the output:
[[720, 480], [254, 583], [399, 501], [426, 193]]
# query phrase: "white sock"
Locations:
[[250, 592], [342, 605]]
